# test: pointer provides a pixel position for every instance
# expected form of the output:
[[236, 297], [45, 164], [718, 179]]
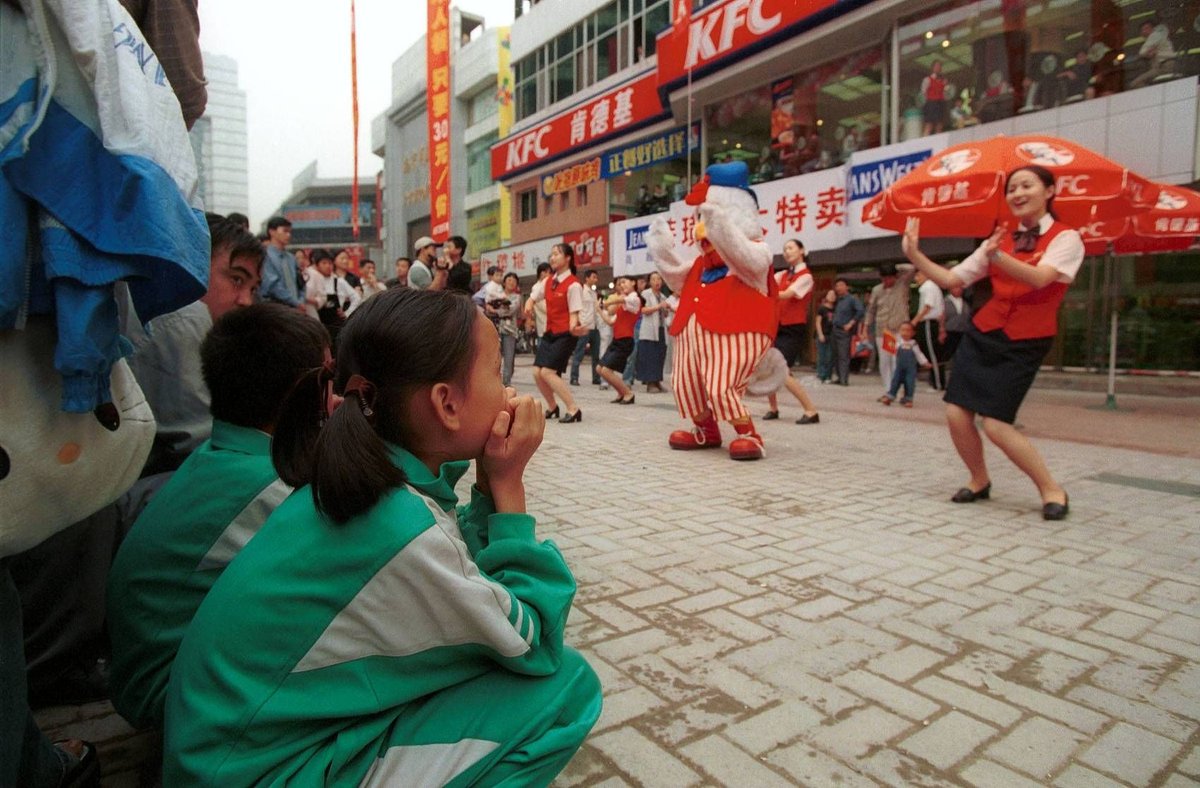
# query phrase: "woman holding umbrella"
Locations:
[[1030, 270]]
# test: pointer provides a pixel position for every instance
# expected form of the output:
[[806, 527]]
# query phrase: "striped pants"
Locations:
[[711, 371]]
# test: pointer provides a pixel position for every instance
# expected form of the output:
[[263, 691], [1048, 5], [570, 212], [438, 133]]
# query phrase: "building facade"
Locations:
[[827, 101], [219, 140], [401, 137], [321, 211]]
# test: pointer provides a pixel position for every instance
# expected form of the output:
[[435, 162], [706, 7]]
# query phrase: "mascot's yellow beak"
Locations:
[[699, 231]]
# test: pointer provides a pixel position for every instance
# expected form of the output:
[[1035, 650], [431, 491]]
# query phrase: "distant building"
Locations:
[[320, 212], [400, 135], [219, 140]]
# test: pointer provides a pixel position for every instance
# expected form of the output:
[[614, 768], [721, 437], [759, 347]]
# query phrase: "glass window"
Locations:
[[529, 204], [479, 163], [564, 79], [975, 61], [811, 121], [658, 19], [483, 106], [581, 196]]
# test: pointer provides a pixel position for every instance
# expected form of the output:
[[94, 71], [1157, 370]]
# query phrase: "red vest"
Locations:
[[727, 306], [626, 320], [793, 311], [1022, 311], [558, 314], [935, 89]]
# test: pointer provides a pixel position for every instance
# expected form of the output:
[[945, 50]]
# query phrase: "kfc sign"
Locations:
[[724, 29], [619, 110]]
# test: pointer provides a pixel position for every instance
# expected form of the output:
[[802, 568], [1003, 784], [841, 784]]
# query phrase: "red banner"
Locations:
[[721, 30], [607, 115], [437, 78], [591, 247]]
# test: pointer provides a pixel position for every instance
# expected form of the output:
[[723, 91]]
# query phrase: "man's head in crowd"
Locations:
[[240, 219], [591, 279], [366, 267], [279, 230], [543, 270], [252, 357], [402, 265], [426, 249], [234, 267], [456, 248]]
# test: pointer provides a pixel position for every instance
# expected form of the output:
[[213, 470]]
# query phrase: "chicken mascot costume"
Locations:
[[726, 319]]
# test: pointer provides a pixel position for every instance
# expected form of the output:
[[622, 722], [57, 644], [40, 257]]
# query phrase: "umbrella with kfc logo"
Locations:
[[959, 192], [1172, 225]]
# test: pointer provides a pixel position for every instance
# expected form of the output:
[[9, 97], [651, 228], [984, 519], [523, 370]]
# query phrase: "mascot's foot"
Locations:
[[747, 447], [706, 435]]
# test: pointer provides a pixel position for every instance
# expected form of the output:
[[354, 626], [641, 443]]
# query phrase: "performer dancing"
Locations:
[[795, 292], [563, 296]]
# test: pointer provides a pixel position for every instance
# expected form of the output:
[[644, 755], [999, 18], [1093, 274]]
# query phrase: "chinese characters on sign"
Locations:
[[568, 178], [651, 150], [591, 247], [620, 109], [437, 77]]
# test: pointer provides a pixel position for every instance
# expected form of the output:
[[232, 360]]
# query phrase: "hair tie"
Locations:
[[365, 390]]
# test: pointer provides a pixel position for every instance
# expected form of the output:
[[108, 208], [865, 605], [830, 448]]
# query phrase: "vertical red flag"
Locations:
[[354, 119], [437, 81]]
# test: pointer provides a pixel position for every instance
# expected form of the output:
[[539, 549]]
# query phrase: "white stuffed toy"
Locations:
[[57, 468], [726, 319]]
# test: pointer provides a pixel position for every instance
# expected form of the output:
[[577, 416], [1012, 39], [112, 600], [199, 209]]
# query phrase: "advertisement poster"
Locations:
[[437, 77]]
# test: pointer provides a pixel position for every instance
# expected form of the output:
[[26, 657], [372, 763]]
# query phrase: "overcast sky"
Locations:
[[294, 65]]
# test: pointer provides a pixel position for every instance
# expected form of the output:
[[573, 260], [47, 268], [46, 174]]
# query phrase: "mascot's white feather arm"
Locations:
[[661, 243]]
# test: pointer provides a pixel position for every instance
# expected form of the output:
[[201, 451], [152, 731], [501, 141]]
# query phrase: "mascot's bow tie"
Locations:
[[1026, 240]]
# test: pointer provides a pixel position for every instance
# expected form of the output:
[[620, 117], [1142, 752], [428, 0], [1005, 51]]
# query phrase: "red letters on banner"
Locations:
[[437, 77]]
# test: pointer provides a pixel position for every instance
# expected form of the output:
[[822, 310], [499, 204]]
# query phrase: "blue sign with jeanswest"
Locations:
[[648, 151], [867, 180], [635, 237]]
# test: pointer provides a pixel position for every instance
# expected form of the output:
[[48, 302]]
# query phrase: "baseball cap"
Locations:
[[422, 242]]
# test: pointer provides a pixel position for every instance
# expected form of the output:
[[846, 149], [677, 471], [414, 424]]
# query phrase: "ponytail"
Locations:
[[297, 425], [351, 466]]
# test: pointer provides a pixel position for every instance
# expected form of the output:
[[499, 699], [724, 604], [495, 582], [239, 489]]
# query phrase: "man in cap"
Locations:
[[427, 272], [887, 310]]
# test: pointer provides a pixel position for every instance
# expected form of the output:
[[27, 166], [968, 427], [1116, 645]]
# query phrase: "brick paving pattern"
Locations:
[[826, 616]]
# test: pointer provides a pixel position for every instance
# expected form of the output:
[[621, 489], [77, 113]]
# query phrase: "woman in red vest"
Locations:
[[563, 295], [1030, 270], [795, 292]]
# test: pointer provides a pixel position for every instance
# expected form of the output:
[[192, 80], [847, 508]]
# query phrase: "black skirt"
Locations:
[[617, 354], [554, 351], [992, 373], [790, 341]]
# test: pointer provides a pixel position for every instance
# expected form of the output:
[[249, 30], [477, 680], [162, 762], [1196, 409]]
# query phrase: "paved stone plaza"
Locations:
[[827, 617]]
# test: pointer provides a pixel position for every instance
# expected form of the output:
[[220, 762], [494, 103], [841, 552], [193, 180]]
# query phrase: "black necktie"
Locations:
[[1026, 240]]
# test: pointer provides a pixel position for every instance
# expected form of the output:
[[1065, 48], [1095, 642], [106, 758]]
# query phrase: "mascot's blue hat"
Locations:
[[734, 174]]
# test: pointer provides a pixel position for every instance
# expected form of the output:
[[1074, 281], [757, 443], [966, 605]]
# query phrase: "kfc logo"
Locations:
[[1045, 154], [1168, 201], [953, 163], [1072, 185]]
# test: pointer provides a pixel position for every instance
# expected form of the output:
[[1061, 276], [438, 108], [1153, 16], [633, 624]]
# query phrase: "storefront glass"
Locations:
[[651, 189], [808, 122], [976, 61], [479, 162]]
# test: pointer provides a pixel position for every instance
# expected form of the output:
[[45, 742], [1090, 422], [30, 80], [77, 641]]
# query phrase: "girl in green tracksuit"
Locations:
[[374, 632]]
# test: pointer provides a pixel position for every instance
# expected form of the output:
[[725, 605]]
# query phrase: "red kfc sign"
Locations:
[[725, 28], [620, 109]]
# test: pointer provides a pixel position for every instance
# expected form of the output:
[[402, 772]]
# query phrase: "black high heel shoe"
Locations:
[[552, 414], [1057, 511], [967, 495], [572, 417]]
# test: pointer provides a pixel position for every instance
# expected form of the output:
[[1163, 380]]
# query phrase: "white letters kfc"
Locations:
[[519, 149], [731, 16]]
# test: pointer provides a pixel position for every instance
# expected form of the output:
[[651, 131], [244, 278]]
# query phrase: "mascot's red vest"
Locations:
[[1022, 311], [726, 306]]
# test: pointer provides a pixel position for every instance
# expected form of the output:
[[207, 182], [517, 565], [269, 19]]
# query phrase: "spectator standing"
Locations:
[[825, 337], [889, 307], [589, 318], [927, 323], [401, 277], [369, 284], [933, 90], [652, 335], [280, 275], [847, 314], [426, 272], [956, 319], [539, 305], [330, 297], [458, 277], [341, 269], [508, 317]]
